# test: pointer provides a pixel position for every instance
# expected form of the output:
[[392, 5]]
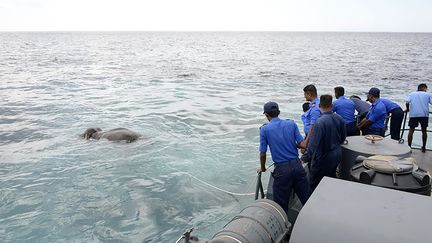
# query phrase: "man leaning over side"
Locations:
[[346, 109], [396, 119], [362, 107], [374, 121], [283, 138]]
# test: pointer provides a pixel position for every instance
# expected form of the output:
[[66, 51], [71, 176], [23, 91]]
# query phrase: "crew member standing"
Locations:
[[283, 137], [346, 109], [418, 106], [374, 121], [311, 95], [324, 152]]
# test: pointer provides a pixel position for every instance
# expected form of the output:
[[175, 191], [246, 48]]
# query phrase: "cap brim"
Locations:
[[367, 96]]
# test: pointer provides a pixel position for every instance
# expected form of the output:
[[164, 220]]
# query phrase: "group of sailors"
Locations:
[[327, 123]]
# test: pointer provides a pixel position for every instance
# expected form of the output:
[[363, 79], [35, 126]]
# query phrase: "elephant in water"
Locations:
[[117, 134]]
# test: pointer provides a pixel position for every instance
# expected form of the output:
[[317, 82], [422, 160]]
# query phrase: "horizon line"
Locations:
[[215, 31]]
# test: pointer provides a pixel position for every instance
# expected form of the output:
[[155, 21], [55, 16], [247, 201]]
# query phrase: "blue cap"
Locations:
[[270, 106], [374, 91]]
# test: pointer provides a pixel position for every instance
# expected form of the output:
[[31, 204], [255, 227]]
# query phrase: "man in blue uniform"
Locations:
[[312, 115], [346, 109], [374, 121], [397, 115], [324, 152], [417, 104], [283, 137]]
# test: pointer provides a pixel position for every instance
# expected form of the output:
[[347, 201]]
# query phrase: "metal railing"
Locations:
[[259, 188], [404, 128]]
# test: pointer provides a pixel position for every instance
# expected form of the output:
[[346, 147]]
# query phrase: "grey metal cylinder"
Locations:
[[262, 222], [358, 145], [394, 173]]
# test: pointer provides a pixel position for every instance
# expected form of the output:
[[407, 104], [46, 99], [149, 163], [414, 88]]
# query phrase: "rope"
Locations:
[[218, 188], [221, 190]]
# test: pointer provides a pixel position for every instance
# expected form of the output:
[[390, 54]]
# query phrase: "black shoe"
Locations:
[[423, 150]]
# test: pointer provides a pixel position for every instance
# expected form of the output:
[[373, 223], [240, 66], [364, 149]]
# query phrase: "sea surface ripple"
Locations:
[[197, 100]]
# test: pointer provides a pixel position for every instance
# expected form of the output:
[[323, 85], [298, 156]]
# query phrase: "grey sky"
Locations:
[[213, 15]]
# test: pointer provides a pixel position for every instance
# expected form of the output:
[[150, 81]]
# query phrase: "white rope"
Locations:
[[217, 188]]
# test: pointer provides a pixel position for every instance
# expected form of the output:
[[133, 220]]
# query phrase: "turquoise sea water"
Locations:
[[197, 100]]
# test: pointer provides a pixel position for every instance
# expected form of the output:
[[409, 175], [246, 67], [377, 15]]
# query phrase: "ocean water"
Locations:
[[197, 100]]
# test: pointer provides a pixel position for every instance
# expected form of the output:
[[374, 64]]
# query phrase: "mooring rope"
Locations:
[[218, 188]]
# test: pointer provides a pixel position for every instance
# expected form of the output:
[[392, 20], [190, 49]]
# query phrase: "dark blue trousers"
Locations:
[[351, 129], [397, 115], [287, 176], [325, 166]]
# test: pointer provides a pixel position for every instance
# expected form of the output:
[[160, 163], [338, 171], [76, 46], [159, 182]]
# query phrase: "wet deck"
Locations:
[[424, 160]]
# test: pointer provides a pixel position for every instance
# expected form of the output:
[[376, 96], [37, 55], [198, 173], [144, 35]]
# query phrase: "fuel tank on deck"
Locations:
[[359, 145]]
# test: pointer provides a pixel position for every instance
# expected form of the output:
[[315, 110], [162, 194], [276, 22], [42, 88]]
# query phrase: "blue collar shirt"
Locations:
[[377, 114], [313, 113], [390, 105], [345, 108], [282, 137]]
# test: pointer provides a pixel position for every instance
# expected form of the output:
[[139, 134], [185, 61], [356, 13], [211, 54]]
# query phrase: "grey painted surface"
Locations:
[[264, 221], [424, 160], [358, 145], [385, 147], [343, 211]]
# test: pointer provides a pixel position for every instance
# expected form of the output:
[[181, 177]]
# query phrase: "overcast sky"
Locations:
[[217, 15]]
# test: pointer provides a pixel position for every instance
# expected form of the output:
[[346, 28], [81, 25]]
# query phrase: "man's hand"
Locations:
[[259, 170], [302, 145], [303, 151]]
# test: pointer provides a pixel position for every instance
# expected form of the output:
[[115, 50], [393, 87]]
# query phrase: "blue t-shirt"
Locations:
[[377, 114], [313, 113], [282, 136], [306, 125], [345, 108], [390, 105], [419, 103]]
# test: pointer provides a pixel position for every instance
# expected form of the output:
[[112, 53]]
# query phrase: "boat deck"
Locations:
[[424, 160]]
